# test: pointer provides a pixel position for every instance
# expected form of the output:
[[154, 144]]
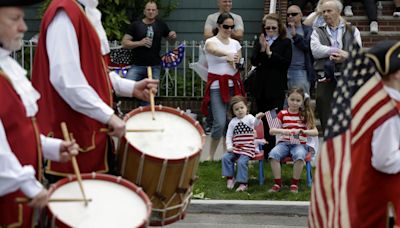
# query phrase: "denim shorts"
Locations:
[[284, 149]]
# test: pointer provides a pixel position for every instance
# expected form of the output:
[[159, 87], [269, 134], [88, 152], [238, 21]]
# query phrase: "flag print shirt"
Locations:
[[240, 135]]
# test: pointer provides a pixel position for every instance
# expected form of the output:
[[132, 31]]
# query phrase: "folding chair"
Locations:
[[312, 142], [260, 156]]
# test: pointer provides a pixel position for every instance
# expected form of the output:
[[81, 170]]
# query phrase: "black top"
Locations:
[[143, 56]]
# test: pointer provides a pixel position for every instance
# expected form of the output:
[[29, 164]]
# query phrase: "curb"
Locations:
[[288, 208]]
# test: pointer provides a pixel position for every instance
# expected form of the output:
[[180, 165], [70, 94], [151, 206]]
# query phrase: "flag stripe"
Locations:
[[344, 207]]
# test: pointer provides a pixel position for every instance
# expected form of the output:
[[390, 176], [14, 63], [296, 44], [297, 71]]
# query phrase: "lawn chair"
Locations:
[[312, 142], [259, 128]]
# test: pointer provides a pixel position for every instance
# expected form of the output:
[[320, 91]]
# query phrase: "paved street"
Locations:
[[200, 220]]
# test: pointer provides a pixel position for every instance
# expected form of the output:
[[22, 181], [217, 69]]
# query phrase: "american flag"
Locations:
[[243, 140], [294, 139], [358, 96], [272, 119]]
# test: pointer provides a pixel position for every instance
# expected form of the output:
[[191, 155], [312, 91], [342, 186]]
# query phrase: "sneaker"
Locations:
[[373, 27], [241, 188], [396, 14], [230, 183], [275, 188], [348, 12], [294, 188]]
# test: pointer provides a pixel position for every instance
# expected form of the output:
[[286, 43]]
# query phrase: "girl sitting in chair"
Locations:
[[298, 123], [240, 143]]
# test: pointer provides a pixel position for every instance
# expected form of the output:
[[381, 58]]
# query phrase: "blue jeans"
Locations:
[[228, 166], [219, 112], [283, 149], [298, 78], [138, 73]]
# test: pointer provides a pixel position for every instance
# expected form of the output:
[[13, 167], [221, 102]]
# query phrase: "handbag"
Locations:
[[121, 56]]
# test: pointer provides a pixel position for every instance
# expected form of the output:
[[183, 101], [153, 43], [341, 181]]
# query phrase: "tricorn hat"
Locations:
[[18, 2], [386, 56]]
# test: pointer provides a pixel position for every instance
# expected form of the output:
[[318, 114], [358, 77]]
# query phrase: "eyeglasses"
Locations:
[[273, 28], [292, 14], [228, 26]]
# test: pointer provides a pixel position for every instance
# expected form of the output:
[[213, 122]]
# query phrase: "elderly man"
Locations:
[[21, 146], [330, 44], [301, 72], [211, 22], [70, 73]]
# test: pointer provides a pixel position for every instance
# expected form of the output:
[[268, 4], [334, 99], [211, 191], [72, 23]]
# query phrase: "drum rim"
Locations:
[[104, 177], [172, 111]]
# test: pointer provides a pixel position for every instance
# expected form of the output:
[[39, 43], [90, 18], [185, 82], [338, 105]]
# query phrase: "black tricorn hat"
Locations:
[[18, 2], [386, 56]]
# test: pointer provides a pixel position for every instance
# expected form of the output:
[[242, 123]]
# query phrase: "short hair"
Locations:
[[338, 4], [281, 26]]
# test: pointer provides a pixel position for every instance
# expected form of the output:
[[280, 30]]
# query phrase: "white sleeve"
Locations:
[[66, 74], [357, 36], [239, 23], [50, 148], [13, 176], [386, 146], [229, 134], [122, 87], [318, 50]]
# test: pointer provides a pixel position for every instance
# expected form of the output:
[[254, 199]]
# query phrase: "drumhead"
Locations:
[[112, 205], [178, 139]]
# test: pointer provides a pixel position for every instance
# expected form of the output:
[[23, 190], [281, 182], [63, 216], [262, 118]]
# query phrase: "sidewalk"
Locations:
[[289, 208]]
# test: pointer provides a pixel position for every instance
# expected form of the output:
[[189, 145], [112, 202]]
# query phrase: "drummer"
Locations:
[[70, 73], [21, 147]]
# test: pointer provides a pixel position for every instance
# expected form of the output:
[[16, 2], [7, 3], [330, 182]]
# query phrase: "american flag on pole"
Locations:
[[359, 101], [243, 140], [272, 119]]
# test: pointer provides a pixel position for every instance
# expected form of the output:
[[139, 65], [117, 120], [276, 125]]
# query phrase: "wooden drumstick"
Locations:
[[135, 130], [74, 162], [150, 75], [55, 200]]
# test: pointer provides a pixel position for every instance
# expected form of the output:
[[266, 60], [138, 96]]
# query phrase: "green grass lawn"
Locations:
[[211, 185]]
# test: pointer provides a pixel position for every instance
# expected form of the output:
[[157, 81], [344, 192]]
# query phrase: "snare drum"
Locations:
[[115, 202], [163, 163]]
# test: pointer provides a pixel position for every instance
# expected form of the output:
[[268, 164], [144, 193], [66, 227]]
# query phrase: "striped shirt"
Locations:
[[292, 121]]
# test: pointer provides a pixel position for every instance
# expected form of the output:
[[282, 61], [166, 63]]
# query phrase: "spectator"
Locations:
[[370, 8], [21, 145], [210, 26], [396, 12], [377, 160], [302, 3], [330, 45], [297, 121], [301, 71], [315, 19], [222, 53], [70, 74], [144, 37], [240, 143], [224, 6], [272, 55]]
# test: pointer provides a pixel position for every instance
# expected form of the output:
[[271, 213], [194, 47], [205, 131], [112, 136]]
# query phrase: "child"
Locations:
[[239, 142], [297, 120]]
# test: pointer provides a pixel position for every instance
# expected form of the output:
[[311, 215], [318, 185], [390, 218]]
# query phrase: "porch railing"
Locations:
[[177, 82]]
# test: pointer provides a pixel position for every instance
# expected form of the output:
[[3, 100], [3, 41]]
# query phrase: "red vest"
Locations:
[[53, 109], [23, 137], [370, 191]]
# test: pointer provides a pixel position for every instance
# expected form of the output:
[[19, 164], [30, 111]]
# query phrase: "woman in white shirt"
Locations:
[[223, 81]]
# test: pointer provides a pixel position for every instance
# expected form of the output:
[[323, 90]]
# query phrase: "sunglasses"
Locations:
[[228, 26], [273, 28], [292, 14]]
